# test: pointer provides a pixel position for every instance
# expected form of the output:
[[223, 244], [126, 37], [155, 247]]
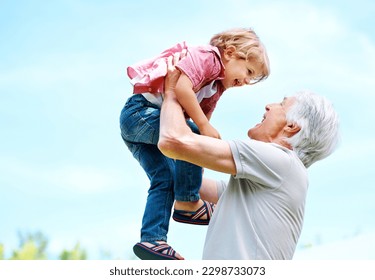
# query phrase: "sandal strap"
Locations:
[[159, 248], [197, 217], [206, 209]]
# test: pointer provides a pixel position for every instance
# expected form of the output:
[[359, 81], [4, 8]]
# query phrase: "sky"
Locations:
[[64, 169]]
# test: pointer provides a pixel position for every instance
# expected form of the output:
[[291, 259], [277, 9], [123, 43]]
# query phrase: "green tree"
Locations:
[[32, 247], [1, 251], [75, 254]]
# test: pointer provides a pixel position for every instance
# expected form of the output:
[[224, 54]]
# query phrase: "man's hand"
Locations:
[[173, 74], [177, 141], [209, 130]]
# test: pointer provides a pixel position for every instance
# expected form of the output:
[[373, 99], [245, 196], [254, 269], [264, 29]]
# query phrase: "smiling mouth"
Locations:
[[259, 124], [237, 83]]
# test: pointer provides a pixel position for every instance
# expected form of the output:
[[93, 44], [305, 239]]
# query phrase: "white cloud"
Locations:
[[360, 247], [73, 178], [312, 45], [354, 152], [86, 179], [63, 70]]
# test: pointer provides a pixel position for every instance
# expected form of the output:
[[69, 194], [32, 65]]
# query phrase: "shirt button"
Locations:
[[149, 89]]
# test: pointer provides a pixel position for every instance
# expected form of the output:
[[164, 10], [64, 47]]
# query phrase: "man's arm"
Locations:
[[209, 190], [179, 142]]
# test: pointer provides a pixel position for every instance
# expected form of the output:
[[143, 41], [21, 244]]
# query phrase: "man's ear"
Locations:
[[292, 128]]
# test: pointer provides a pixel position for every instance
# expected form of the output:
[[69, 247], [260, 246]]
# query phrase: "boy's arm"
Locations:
[[188, 100], [177, 141], [209, 115]]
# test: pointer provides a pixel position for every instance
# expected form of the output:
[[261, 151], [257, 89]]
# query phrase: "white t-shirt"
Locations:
[[259, 215]]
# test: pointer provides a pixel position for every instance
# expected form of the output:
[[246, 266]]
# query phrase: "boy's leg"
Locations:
[[189, 208], [188, 177], [187, 182], [159, 169], [139, 123], [155, 222]]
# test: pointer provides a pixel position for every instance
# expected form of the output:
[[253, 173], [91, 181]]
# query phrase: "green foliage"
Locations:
[[1, 251], [28, 251], [32, 247], [75, 254]]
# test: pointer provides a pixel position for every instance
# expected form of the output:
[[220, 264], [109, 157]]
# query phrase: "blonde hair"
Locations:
[[248, 46]]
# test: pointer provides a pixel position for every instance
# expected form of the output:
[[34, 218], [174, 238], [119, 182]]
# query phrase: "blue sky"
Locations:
[[64, 169]]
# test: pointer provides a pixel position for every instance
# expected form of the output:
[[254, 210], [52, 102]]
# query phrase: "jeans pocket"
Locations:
[[140, 125]]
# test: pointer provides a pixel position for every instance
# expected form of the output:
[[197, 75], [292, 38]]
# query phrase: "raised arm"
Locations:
[[188, 100], [179, 142]]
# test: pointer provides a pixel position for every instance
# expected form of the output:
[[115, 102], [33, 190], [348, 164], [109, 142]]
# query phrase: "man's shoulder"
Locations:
[[249, 148], [255, 143]]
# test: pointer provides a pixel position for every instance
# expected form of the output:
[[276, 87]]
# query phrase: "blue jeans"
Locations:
[[169, 179]]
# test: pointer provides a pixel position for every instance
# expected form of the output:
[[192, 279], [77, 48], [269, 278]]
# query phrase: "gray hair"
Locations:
[[319, 123]]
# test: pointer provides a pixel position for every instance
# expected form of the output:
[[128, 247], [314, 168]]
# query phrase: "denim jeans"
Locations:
[[169, 179]]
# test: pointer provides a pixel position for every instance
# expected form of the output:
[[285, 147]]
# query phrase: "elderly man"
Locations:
[[259, 212]]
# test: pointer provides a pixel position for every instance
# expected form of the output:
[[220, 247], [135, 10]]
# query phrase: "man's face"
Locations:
[[273, 123]]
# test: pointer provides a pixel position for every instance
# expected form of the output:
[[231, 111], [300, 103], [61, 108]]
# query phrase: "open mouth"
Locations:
[[237, 83], [264, 117]]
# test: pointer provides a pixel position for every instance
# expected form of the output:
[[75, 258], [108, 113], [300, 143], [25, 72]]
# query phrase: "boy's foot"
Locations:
[[157, 250], [196, 213]]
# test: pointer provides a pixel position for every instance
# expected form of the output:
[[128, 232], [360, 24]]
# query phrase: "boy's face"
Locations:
[[238, 72]]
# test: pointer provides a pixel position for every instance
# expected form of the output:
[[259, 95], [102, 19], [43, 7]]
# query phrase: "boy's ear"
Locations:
[[229, 52]]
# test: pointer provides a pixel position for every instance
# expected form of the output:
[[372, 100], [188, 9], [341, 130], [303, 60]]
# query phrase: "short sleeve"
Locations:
[[202, 65], [265, 163]]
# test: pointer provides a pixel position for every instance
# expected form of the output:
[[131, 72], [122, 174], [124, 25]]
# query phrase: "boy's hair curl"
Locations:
[[248, 46]]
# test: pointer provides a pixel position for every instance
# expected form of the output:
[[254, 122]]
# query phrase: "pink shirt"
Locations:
[[202, 65]]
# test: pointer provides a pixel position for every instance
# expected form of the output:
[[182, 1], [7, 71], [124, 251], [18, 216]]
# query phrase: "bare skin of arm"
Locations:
[[179, 142], [188, 100], [208, 191]]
